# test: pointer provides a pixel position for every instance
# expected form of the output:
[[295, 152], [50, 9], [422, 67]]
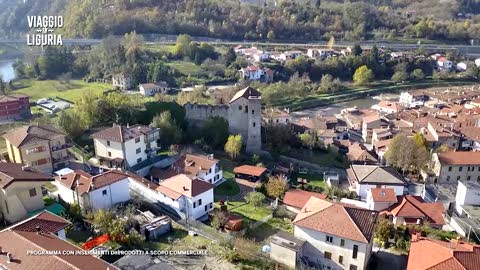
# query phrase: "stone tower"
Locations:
[[245, 118]]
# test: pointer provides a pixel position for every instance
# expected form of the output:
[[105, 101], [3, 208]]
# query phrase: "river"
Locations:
[[6, 70]]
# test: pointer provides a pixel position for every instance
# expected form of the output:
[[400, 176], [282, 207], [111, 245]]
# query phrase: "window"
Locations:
[[340, 259], [329, 239], [206, 208], [253, 124], [328, 255], [253, 111], [239, 108], [246, 109], [353, 267], [104, 192], [199, 202], [450, 168], [210, 170], [468, 178], [108, 143], [109, 154], [139, 160], [138, 150], [137, 140], [460, 168], [342, 242], [458, 178], [355, 252], [33, 192], [478, 179], [448, 177]]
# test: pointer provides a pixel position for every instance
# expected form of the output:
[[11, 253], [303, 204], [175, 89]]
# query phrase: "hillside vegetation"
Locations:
[[256, 20]]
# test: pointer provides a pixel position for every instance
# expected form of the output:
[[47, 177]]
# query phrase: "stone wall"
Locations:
[[202, 112]]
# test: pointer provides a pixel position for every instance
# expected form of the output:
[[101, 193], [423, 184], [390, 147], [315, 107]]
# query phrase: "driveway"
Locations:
[[390, 260]]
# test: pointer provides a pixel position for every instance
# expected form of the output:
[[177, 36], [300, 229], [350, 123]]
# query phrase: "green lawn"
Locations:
[[249, 212], [187, 68], [51, 88], [227, 188], [322, 158], [269, 228], [78, 237], [177, 239], [315, 180]]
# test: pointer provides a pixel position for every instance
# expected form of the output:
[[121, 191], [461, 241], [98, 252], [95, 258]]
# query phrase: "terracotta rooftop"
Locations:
[[337, 219], [459, 158], [189, 164], [415, 207], [433, 254], [18, 241], [149, 86], [32, 134], [16, 172], [13, 97], [85, 182], [181, 184], [46, 221], [122, 133], [383, 195], [357, 153], [298, 198], [250, 170]]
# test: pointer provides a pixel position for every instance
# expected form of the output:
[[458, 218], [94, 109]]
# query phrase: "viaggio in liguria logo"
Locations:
[[44, 30]]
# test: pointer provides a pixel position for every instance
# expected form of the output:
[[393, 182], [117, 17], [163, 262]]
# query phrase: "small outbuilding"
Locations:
[[286, 249], [248, 172]]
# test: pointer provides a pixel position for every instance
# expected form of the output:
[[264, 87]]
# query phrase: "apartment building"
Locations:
[[125, 146], [451, 167], [122, 81], [336, 236], [20, 191], [42, 147], [14, 107]]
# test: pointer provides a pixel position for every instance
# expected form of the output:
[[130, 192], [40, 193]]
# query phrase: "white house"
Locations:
[[336, 236], [365, 177], [125, 146], [451, 167], [205, 168], [467, 203], [190, 198], [380, 198], [122, 81], [468, 193], [462, 66], [150, 89], [477, 62], [412, 100], [255, 73], [94, 192], [444, 63]]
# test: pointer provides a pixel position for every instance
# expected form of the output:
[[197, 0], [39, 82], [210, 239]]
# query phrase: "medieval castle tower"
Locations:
[[243, 113]]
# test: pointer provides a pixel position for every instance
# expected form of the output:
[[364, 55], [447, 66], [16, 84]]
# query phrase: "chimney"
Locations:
[[26, 168], [9, 257], [416, 237], [455, 242]]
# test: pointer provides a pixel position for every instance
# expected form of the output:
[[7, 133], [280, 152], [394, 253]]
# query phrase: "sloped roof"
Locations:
[[181, 184], [122, 133], [250, 170], [150, 86], [375, 174], [16, 172], [298, 198], [409, 206], [45, 220], [85, 182], [247, 93], [433, 254], [337, 219], [459, 158], [357, 153], [188, 164], [383, 195], [32, 134]]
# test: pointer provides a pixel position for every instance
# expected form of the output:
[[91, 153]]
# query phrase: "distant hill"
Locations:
[[255, 19]]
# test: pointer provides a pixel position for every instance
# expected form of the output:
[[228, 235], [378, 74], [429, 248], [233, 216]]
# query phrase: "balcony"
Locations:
[[61, 147]]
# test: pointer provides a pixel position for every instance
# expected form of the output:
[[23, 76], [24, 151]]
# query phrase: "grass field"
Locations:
[[315, 180], [187, 68], [51, 88], [227, 188], [248, 211]]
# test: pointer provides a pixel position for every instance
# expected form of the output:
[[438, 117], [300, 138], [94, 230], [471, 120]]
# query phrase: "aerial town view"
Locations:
[[239, 134]]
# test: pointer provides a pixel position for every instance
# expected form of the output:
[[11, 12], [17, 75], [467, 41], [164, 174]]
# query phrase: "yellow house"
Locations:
[[20, 191], [42, 147]]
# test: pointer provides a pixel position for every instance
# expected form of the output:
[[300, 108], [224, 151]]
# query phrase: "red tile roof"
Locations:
[[246, 93], [189, 164], [298, 198], [459, 158], [15, 172], [433, 254], [415, 207], [337, 219], [46, 221], [383, 195], [180, 184], [86, 182], [32, 134], [123, 134], [250, 170]]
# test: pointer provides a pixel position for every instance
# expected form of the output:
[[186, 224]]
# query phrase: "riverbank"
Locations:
[[314, 101]]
